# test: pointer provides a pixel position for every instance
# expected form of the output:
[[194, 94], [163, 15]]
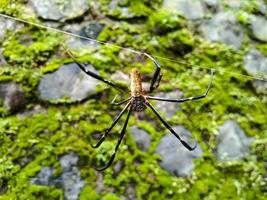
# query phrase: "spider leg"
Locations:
[[171, 130], [110, 128], [92, 74], [119, 103], [118, 143], [156, 76], [189, 98]]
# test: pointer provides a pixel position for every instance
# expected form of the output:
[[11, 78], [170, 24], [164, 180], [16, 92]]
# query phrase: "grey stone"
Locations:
[[12, 96], [256, 64], [2, 59], [233, 144], [60, 10], [89, 30], [120, 76], [141, 137], [212, 3], [191, 9], [224, 28], [176, 159], [70, 180], [130, 192], [37, 109], [44, 177], [7, 24], [121, 12], [234, 4], [169, 109], [259, 27], [68, 161], [68, 81]]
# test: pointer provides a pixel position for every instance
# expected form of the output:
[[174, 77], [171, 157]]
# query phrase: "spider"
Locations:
[[138, 102]]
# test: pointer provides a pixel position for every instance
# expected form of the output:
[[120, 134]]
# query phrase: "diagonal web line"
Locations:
[[128, 49]]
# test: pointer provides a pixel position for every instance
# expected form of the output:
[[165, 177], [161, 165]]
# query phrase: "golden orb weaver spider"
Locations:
[[138, 102]]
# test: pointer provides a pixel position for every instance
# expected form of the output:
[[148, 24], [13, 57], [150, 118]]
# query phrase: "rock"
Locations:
[[120, 76], [233, 144], [60, 10], [2, 59], [68, 161], [70, 180], [212, 3], [120, 12], [235, 5], [68, 81], [191, 9], [130, 192], [44, 177], [118, 166], [168, 108], [224, 28], [141, 138], [12, 96], [37, 109], [256, 64], [176, 159], [259, 27], [89, 30], [7, 24]]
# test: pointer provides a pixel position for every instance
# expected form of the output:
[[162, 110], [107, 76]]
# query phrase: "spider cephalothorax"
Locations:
[[138, 102]]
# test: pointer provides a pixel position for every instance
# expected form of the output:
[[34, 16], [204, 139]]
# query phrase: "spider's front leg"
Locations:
[[93, 74], [188, 98], [156, 76], [120, 102]]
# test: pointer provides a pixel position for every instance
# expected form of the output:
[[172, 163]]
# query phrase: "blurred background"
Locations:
[[51, 111]]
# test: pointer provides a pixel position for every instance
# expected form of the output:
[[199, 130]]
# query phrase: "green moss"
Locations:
[[162, 22], [30, 142]]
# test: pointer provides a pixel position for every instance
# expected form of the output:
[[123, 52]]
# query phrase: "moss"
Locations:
[[162, 22], [31, 142]]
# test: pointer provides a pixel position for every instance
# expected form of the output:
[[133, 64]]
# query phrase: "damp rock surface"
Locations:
[[191, 9], [12, 96], [7, 25], [67, 82], [89, 30], [168, 108], [176, 159], [60, 10], [44, 177], [141, 137], [70, 180], [223, 27], [2, 59], [233, 144], [256, 64], [259, 27]]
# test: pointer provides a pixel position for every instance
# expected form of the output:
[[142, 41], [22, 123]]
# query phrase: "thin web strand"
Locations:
[[215, 69], [128, 49]]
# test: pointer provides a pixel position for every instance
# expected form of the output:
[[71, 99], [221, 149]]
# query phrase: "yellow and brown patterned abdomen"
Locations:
[[136, 84]]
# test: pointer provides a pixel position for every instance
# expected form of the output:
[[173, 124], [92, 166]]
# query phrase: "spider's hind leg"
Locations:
[[186, 145], [110, 128], [118, 143]]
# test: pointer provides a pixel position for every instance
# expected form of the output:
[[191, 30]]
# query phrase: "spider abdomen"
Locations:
[[138, 104]]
